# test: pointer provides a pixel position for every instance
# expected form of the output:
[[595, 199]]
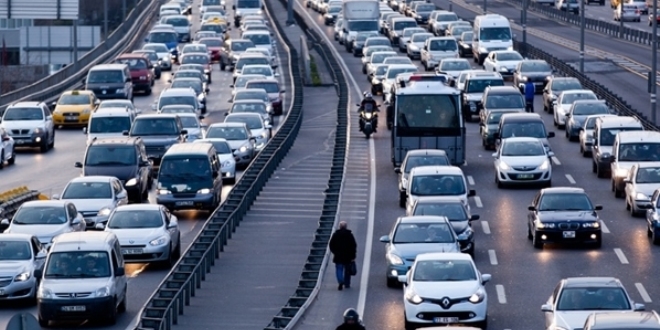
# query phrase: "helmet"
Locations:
[[368, 96], [351, 315]]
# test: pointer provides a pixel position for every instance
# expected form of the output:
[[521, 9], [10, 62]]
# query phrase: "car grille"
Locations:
[[73, 294], [71, 114], [525, 168], [155, 150], [133, 246], [568, 226], [89, 214], [20, 131], [4, 281], [184, 195]]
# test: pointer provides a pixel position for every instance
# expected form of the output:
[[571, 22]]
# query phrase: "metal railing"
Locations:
[[126, 36], [163, 308], [317, 260]]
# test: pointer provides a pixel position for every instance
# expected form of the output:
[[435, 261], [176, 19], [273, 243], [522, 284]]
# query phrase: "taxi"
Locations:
[[216, 20], [74, 108]]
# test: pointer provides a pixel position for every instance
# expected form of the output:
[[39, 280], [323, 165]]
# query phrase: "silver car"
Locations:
[[258, 128], [196, 130], [239, 138], [226, 157], [642, 182], [242, 80], [586, 135], [146, 233], [21, 255], [253, 106], [178, 108], [411, 236], [414, 158]]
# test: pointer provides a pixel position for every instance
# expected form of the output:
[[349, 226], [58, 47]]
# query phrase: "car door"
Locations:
[[630, 183], [119, 281], [217, 179], [7, 144], [144, 170], [74, 217], [531, 215], [552, 301]]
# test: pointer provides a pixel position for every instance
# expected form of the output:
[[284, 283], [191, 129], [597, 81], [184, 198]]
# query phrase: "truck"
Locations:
[[359, 16], [246, 7]]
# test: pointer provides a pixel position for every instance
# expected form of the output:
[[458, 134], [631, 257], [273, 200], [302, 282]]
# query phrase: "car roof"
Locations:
[[440, 200], [177, 91], [15, 237], [626, 320], [262, 81], [426, 152], [195, 79], [26, 104], [618, 121], [424, 219], [638, 136], [436, 169], [443, 256], [80, 92], [124, 140], [82, 241], [211, 140], [243, 114], [177, 106], [111, 112], [262, 32], [502, 90], [564, 190], [132, 56], [521, 139], [587, 281], [158, 116], [138, 207], [111, 66], [248, 55], [229, 124], [93, 178], [576, 91], [51, 202], [252, 90], [518, 116]]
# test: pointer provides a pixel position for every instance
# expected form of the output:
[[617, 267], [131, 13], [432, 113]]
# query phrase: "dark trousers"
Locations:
[[343, 272], [529, 106]]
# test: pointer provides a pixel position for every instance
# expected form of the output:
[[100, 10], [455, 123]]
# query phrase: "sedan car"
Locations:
[[445, 288], [361, 40], [164, 55], [627, 13], [503, 61], [555, 86], [586, 136], [415, 158], [565, 102], [226, 157], [255, 123], [242, 80], [575, 298], [453, 67], [196, 130], [95, 197], [199, 59], [214, 45], [45, 219], [275, 93], [642, 181], [240, 140], [20, 256], [465, 44], [253, 106], [377, 79], [563, 215], [489, 125], [538, 72], [146, 233], [522, 160], [412, 236], [579, 112], [197, 85], [415, 44], [264, 70]]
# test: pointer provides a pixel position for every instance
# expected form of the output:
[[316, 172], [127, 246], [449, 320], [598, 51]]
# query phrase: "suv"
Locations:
[[159, 133], [500, 98], [110, 81], [473, 89], [141, 71], [30, 124], [436, 49], [630, 148], [123, 158], [523, 125], [232, 50], [605, 132], [109, 123]]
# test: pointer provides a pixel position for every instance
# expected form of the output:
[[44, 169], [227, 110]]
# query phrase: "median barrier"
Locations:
[[11, 200], [163, 308]]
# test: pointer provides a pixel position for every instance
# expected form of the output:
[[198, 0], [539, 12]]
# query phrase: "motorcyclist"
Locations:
[[351, 321], [368, 104]]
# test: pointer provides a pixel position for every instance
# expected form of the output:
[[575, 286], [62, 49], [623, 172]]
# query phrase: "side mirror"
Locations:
[[551, 154], [123, 194], [496, 135], [253, 139], [4, 223], [53, 104], [402, 278], [531, 208], [397, 170], [75, 221], [385, 239], [124, 133], [55, 197], [207, 90], [84, 130], [598, 207], [485, 278], [78, 164], [41, 255], [100, 226], [184, 132], [472, 192], [551, 134], [38, 273], [174, 222], [639, 307], [357, 104], [201, 117], [269, 126], [215, 175], [494, 155], [546, 308], [120, 271], [474, 217]]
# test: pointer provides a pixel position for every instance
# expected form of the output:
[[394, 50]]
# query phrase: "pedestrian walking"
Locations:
[[344, 249], [530, 90]]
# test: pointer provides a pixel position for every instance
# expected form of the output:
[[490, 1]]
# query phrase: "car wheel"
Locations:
[[112, 314], [169, 262], [44, 323], [402, 199], [649, 233], [2, 160], [536, 242], [122, 306], [51, 145], [12, 160], [393, 283], [483, 324]]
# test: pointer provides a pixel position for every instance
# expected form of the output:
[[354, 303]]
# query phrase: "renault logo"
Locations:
[[445, 302]]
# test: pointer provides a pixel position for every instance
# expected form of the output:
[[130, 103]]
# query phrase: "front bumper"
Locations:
[[557, 236], [141, 85], [70, 118], [243, 158], [18, 290], [642, 204], [195, 201], [95, 308], [462, 309], [145, 253], [524, 177], [29, 140]]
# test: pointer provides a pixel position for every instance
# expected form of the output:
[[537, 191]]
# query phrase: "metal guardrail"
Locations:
[[597, 25], [317, 261], [12, 199], [613, 100], [126, 36], [163, 308]]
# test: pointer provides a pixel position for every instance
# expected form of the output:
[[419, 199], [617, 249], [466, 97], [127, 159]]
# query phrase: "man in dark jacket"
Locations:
[[351, 321], [344, 249], [530, 90]]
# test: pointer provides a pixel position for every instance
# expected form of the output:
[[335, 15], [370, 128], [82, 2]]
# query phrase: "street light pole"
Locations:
[[485, 7], [105, 19], [620, 19], [523, 21], [654, 66], [582, 25], [451, 5]]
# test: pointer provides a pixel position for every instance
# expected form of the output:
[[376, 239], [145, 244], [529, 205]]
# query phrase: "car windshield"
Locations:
[[135, 219], [410, 32], [381, 70], [442, 45], [152, 56], [116, 104], [176, 100], [458, 30], [454, 211], [399, 26], [258, 39], [248, 4], [586, 109], [535, 66], [15, 250], [100, 155], [251, 96], [116, 124], [454, 65], [479, 85], [195, 59], [211, 42], [639, 152], [505, 101], [364, 36], [565, 84], [380, 58], [523, 149], [565, 202], [40, 215], [572, 97], [185, 175], [189, 49], [607, 135], [71, 99], [420, 38], [415, 161], [177, 21], [393, 72], [444, 271], [242, 80], [250, 61], [467, 37], [437, 185], [590, 123], [512, 56], [358, 26], [23, 114], [241, 45], [133, 63], [423, 233], [494, 117], [189, 122], [195, 85], [78, 264], [424, 8], [154, 126], [378, 42], [159, 48], [221, 147], [378, 48], [648, 175], [494, 33], [592, 298], [446, 18], [187, 74], [87, 190], [177, 109], [266, 71], [256, 107], [227, 133], [524, 129], [217, 28], [162, 37], [251, 122]]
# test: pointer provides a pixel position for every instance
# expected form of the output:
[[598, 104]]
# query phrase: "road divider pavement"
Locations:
[[12, 199]]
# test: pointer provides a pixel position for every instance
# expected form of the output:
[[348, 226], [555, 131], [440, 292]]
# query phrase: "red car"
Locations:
[[214, 45], [198, 58], [141, 71]]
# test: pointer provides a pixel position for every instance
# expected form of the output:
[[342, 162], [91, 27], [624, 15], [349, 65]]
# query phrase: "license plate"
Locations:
[[71, 118], [525, 176], [569, 234], [73, 308], [19, 141], [184, 203], [131, 251], [2, 292], [445, 319]]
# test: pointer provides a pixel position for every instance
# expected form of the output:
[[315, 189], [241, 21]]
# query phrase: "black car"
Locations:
[[456, 213], [538, 72], [563, 215], [124, 158], [159, 132]]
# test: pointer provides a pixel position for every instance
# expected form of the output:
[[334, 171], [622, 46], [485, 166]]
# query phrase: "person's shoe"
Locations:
[[340, 287], [348, 286]]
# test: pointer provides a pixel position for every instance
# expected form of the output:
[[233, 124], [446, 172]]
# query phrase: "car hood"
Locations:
[[438, 290], [236, 144], [574, 319], [605, 149], [44, 232], [163, 55], [411, 250], [225, 157], [159, 140], [64, 285], [123, 173], [14, 267], [507, 110], [257, 132], [460, 226], [92, 136], [647, 188], [90, 205], [453, 74], [529, 162], [568, 216], [474, 96], [133, 236], [197, 131], [22, 124], [510, 65]]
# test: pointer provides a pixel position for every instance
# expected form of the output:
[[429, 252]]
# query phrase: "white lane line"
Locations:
[[556, 161], [486, 227], [621, 256], [493, 257], [603, 227], [470, 180], [477, 202], [642, 292], [570, 178], [501, 296]]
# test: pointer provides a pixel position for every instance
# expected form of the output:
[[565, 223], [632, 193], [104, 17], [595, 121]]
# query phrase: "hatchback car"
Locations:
[[642, 181], [95, 197], [258, 128], [522, 160], [239, 138], [415, 158], [21, 255], [438, 181]]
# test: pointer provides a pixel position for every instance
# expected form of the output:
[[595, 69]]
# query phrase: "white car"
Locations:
[[437, 181], [586, 136], [163, 54], [565, 101], [642, 181], [196, 130], [441, 286], [378, 58], [406, 35], [242, 80], [95, 197], [260, 69], [6, 149], [266, 52], [45, 219], [453, 67], [415, 44], [255, 123], [30, 124], [119, 103], [226, 157], [503, 61], [21, 255], [522, 160], [459, 83], [394, 70], [436, 49]]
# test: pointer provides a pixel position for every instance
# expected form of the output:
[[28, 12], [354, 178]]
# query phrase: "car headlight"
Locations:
[[621, 172], [120, 91], [259, 12], [504, 166], [503, 68], [546, 225], [44, 293], [478, 296], [131, 182], [545, 165], [22, 277], [164, 192], [85, 111], [104, 212], [640, 195], [243, 149], [605, 155], [591, 224], [264, 135], [159, 241], [102, 292], [413, 298], [37, 130], [394, 259], [465, 234], [226, 163], [204, 191]]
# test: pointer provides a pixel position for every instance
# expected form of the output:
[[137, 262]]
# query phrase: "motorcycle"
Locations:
[[368, 120]]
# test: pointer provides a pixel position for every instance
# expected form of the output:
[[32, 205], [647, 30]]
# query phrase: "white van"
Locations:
[[491, 32], [630, 148], [437, 181], [109, 123], [84, 278]]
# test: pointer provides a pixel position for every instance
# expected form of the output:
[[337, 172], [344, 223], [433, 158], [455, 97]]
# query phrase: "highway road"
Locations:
[[37, 171], [523, 277]]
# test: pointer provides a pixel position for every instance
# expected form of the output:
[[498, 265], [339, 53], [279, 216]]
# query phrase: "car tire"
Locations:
[[169, 262], [44, 323], [392, 282], [594, 167], [536, 243], [51, 145], [12, 160], [471, 251], [112, 316], [2, 160], [483, 324], [122, 305], [409, 325], [402, 199]]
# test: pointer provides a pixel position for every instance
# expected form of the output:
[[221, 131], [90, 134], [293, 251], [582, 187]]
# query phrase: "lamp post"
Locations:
[[654, 65], [105, 19], [451, 2], [582, 24], [523, 22], [485, 7], [289, 16]]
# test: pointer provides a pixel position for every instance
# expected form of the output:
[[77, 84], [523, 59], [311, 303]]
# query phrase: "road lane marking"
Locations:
[[493, 257], [486, 227], [570, 178], [555, 160], [642, 292], [470, 180], [621, 256], [477, 202], [501, 296], [603, 227]]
